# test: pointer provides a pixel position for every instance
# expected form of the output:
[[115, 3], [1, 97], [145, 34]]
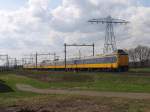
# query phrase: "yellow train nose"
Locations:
[[123, 60]]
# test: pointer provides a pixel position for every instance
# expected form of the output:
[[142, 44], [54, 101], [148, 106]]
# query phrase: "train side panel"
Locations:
[[118, 61]]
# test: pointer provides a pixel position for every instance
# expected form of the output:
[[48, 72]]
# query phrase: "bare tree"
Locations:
[[140, 54], [132, 55]]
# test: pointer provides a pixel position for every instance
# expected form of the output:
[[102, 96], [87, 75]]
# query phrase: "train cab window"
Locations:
[[120, 51]]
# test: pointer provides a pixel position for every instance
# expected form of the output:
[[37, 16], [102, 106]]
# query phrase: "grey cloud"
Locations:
[[36, 27]]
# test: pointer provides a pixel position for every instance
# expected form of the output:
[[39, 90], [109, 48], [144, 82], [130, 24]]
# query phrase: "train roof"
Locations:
[[91, 57]]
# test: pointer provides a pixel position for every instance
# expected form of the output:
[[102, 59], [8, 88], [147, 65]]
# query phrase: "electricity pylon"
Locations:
[[110, 39]]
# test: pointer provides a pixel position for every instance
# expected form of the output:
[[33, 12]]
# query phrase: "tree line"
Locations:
[[139, 56]]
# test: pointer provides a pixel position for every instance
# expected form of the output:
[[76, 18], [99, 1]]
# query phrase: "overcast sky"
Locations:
[[27, 26]]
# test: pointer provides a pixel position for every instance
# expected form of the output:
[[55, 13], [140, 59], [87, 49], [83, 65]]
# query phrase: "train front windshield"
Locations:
[[122, 52]]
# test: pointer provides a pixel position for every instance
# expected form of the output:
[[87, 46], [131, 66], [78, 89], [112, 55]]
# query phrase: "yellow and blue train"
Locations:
[[117, 61]]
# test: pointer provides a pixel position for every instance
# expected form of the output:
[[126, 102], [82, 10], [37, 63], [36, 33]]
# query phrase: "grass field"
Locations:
[[120, 82], [145, 70], [8, 91], [103, 82]]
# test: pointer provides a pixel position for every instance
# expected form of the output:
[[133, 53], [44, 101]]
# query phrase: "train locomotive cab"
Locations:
[[123, 60]]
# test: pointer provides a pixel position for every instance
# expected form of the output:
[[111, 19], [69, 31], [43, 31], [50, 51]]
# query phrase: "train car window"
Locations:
[[94, 61], [106, 60], [68, 62], [78, 61], [81, 61], [75, 61], [61, 63]]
